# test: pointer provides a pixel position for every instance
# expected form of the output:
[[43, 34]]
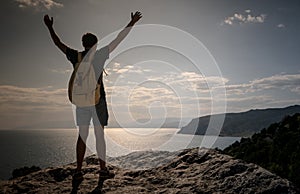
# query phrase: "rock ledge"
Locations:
[[186, 171]]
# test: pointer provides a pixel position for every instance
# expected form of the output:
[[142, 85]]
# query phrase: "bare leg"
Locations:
[[81, 146], [100, 145]]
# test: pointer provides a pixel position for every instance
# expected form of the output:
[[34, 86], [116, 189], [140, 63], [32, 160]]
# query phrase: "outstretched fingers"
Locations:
[[48, 21], [137, 15]]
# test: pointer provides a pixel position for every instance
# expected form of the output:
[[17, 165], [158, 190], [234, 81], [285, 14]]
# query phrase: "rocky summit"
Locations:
[[186, 171]]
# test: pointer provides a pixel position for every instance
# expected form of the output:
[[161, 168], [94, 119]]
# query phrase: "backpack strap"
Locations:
[[105, 72], [79, 57]]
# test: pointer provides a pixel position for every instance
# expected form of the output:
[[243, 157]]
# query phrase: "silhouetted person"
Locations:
[[99, 112]]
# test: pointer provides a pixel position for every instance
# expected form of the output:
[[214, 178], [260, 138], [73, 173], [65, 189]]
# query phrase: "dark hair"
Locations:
[[89, 40]]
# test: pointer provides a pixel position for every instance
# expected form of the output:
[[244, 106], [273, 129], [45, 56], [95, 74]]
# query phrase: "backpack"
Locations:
[[84, 89]]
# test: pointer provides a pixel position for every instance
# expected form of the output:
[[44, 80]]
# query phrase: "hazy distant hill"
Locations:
[[240, 124]]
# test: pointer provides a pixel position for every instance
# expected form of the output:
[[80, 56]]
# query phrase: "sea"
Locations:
[[55, 147]]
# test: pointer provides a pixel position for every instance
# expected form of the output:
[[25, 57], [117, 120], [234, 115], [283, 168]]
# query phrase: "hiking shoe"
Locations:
[[106, 174], [77, 179], [97, 190]]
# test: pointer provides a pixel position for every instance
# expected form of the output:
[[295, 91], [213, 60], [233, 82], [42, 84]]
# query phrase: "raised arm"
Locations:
[[134, 18], [55, 38]]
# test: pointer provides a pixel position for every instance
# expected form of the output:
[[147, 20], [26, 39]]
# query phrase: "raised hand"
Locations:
[[136, 16], [48, 21]]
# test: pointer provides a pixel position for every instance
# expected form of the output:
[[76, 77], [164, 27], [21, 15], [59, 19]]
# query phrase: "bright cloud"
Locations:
[[39, 4], [245, 18], [118, 69]]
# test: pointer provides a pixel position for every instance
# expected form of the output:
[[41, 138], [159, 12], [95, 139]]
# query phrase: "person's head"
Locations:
[[89, 40]]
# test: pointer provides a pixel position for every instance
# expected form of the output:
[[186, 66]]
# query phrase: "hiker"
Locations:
[[99, 111]]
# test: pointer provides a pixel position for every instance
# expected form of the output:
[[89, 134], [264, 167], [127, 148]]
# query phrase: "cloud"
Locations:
[[39, 4], [178, 92], [23, 106], [281, 26], [183, 93], [282, 81], [190, 81], [273, 91], [245, 18], [120, 69], [61, 71], [278, 82], [229, 20], [30, 99]]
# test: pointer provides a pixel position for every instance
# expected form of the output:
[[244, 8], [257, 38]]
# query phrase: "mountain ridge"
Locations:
[[242, 124]]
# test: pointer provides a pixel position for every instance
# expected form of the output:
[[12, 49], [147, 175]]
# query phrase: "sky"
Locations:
[[250, 49]]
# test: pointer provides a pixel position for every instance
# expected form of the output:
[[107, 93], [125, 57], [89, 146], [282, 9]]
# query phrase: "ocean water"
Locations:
[[54, 147]]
